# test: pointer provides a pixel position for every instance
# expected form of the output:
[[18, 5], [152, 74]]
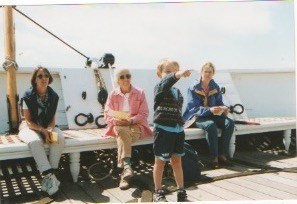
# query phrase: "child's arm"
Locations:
[[182, 73], [165, 84]]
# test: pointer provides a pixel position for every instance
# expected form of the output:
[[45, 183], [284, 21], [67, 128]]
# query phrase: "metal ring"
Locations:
[[232, 109], [97, 122], [90, 119]]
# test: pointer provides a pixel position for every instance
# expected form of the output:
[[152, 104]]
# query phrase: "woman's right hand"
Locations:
[[215, 110], [47, 136]]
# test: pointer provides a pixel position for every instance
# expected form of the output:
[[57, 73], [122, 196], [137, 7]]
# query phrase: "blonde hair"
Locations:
[[208, 65], [165, 63]]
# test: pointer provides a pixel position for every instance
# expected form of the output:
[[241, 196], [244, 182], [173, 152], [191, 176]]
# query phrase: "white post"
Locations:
[[287, 139], [111, 77], [232, 146], [74, 165]]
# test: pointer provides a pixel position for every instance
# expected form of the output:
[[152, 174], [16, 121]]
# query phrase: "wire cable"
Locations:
[[50, 32]]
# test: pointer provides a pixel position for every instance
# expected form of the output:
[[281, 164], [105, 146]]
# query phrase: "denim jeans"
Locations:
[[217, 146]]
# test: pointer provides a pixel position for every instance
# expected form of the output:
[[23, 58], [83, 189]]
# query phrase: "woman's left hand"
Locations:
[[226, 109]]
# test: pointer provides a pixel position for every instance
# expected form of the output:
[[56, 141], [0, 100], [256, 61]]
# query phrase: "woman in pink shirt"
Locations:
[[132, 102]]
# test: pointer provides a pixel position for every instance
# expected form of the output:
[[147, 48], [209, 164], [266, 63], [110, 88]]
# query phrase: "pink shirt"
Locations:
[[138, 110]]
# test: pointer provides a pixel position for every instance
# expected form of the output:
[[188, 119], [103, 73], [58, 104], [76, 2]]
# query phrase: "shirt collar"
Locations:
[[118, 91]]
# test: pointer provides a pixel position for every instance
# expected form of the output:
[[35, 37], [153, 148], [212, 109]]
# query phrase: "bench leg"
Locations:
[[232, 146], [74, 165], [287, 139]]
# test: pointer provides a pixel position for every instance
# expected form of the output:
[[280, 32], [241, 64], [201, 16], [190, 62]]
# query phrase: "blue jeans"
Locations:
[[217, 146]]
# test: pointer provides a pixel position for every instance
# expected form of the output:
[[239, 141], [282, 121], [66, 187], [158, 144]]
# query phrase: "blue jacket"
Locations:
[[30, 98], [198, 104]]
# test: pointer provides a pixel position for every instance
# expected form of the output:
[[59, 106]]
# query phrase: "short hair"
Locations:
[[166, 62], [34, 75], [208, 65]]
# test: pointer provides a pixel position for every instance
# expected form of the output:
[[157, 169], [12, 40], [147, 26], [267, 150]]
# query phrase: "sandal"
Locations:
[[215, 165], [225, 162]]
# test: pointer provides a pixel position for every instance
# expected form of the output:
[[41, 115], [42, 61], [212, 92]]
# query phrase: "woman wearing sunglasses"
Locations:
[[39, 105], [130, 122]]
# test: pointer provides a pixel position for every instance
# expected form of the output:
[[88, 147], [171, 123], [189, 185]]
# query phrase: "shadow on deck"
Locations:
[[262, 171]]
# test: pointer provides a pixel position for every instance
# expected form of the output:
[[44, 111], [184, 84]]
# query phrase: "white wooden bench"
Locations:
[[92, 139]]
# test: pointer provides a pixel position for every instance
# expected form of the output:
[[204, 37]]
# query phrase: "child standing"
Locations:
[[169, 134]]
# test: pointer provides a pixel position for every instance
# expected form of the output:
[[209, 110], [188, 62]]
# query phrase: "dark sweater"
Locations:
[[30, 98], [167, 109]]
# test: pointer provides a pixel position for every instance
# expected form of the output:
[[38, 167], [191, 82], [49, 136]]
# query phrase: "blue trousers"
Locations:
[[217, 146]]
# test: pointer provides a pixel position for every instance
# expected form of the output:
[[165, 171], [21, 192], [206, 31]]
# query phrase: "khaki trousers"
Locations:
[[125, 136]]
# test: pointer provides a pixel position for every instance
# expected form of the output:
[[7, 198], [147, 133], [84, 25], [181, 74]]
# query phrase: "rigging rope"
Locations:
[[50, 32], [9, 63]]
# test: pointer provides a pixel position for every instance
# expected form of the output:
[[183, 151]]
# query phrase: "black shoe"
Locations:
[[226, 162], [215, 165], [159, 196], [182, 196]]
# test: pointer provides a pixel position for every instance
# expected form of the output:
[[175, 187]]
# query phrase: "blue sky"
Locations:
[[233, 35]]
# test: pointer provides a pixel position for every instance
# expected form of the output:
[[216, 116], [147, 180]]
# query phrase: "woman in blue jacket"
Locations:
[[39, 105], [205, 109]]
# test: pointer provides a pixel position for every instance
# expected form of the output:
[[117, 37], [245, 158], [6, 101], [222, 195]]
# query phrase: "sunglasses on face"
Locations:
[[40, 76], [127, 76]]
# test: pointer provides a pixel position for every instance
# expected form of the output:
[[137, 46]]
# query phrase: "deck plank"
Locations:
[[266, 190], [264, 159], [199, 194], [111, 187], [291, 176], [95, 191], [279, 185], [242, 190], [274, 177], [221, 192], [270, 183], [218, 172], [75, 193]]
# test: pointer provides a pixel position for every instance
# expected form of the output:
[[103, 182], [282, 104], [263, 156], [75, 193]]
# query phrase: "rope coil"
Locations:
[[8, 63]]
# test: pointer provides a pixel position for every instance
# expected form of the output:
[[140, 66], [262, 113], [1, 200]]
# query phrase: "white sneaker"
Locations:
[[45, 183], [127, 173], [50, 184]]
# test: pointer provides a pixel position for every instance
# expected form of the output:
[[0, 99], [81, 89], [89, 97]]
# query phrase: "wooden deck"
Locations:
[[265, 174]]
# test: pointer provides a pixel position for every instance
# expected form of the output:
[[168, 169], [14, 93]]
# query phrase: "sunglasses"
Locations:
[[128, 76], [40, 76]]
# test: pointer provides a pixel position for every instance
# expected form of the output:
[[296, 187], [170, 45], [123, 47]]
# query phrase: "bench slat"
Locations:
[[93, 139]]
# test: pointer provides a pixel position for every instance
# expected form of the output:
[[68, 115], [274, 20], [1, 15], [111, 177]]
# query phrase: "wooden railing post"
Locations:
[[10, 67]]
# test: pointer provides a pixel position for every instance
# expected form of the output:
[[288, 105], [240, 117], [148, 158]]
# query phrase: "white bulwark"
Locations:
[[269, 97]]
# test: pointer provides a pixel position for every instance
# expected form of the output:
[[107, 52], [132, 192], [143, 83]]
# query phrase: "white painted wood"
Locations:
[[232, 146], [74, 165], [231, 96], [287, 139], [82, 142], [74, 82], [238, 89], [267, 94]]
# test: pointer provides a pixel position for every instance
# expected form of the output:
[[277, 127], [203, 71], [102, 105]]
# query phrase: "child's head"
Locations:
[[167, 66], [208, 67]]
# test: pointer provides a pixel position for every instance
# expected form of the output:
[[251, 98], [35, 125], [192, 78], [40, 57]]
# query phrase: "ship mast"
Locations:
[[9, 43]]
